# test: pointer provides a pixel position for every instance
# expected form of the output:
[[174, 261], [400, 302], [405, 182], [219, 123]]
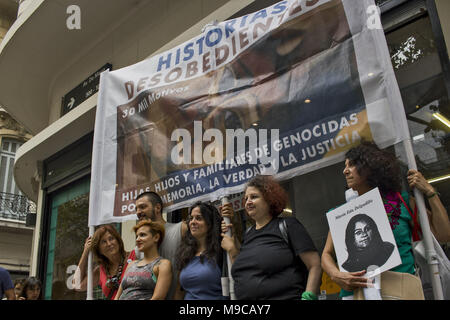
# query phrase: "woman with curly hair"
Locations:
[[267, 266], [368, 167], [199, 257], [111, 257]]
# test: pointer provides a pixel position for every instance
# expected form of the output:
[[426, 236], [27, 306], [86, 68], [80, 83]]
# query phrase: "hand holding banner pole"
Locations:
[[228, 233], [90, 285], [430, 252], [401, 125]]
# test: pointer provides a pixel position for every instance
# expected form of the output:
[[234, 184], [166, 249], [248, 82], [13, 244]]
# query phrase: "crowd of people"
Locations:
[[276, 258]]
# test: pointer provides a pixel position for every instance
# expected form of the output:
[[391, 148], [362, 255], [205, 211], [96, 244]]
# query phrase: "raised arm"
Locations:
[[79, 280], [229, 244], [438, 217], [226, 210]]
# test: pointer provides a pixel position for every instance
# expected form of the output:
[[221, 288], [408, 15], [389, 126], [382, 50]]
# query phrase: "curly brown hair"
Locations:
[[273, 193], [380, 167], [98, 234], [155, 228]]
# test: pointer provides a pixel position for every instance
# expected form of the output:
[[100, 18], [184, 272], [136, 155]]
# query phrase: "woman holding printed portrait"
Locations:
[[364, 244], [368, 167]]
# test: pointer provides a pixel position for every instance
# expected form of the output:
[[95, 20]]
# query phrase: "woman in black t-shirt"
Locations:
[[267, 266]]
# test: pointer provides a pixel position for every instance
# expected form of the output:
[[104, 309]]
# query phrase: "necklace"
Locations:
[[113, 281], [393, 209]]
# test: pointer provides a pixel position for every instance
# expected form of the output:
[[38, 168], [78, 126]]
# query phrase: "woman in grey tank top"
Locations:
[[150, 277]]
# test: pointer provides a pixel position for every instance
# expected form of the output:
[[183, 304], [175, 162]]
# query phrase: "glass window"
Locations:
[[68, 162], [10, 180], [68, 232], [3, 171], [419, 75], [13, 147], [10, 146], [5, 146], [7, 157], [13, 204]]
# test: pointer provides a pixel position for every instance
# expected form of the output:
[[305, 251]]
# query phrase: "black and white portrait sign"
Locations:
[[362, 236]]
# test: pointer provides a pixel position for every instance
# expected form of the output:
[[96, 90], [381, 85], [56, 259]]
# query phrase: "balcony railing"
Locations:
[[15, 207]]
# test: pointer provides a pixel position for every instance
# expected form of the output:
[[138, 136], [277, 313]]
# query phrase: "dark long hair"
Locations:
[[101, 259], [380, 168], [31, 282], [350, 233], [189, 245]]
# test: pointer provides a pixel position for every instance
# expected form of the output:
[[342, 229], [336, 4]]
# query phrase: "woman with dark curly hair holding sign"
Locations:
[[278, 259], [368, 167]]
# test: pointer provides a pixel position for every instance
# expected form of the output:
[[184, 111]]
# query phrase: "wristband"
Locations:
[[308, 295], [434, 193]]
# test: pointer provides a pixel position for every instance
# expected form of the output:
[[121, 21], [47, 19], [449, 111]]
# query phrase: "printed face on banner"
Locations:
[[290, 99], [362, 236]]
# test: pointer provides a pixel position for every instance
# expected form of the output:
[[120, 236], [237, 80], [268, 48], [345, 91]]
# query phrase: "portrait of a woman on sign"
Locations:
[[365, 247]]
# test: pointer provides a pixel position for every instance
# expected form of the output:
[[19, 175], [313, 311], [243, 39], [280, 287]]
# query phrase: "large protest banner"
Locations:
[[282, 91]]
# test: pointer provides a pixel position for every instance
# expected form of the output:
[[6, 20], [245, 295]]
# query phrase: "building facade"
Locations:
[[44, 91], [16, 233]]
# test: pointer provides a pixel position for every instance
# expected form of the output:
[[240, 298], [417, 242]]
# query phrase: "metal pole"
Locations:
[[90, 285], [430, 252], [231, 281]]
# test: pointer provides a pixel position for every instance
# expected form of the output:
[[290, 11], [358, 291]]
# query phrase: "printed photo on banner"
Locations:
[[362, 236], [247, 96], [168, 135]]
